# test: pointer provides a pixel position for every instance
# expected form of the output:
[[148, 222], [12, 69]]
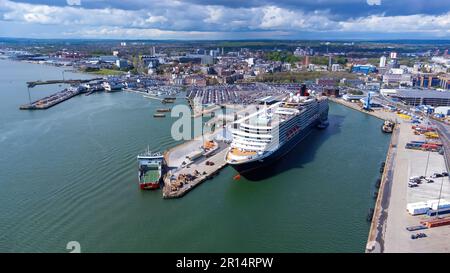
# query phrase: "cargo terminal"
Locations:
[[419, 97]]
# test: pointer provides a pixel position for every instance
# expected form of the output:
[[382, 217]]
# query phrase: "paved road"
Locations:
[[443, 129], [390, 232], [444, 133]]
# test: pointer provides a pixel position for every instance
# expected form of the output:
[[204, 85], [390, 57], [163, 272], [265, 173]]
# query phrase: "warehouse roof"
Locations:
[[415, 93]]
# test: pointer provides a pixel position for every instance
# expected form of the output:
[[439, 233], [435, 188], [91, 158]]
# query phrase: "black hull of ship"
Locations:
[[259, 169]]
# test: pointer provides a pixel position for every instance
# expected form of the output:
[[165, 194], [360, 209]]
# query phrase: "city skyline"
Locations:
[[209, 20]]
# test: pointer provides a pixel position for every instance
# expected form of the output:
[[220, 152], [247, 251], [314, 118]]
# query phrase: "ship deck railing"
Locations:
[[239, 152]]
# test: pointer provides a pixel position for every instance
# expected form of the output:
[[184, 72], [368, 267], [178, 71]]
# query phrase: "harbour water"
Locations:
[[69, 173]]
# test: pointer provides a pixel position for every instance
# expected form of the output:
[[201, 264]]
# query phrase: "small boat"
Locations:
[[156, 115], [168, 100], [162, 110]]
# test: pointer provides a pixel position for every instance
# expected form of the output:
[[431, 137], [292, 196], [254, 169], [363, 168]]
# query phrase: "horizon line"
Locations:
[[237, 39]]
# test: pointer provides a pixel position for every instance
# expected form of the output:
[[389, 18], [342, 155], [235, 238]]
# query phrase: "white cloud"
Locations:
[[178, 18], [68, 15], [215, 14], [439, 24], [73, 2], [373, 2], [274, 17], [138, 33], [156, 19], [278, 18]]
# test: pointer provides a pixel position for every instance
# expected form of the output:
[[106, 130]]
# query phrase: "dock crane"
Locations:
[[366, 105]]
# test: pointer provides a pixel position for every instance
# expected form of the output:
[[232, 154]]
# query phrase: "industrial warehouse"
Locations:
[[419, 97]]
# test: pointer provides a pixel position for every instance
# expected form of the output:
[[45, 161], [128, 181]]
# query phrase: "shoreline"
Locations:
[[378, 224], [351, 105], [389, 225], [375, 238]]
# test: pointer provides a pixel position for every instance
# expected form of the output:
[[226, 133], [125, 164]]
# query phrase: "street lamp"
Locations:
[[439, 200]]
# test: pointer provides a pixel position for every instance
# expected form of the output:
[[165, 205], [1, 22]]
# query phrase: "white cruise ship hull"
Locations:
[[254, 167]]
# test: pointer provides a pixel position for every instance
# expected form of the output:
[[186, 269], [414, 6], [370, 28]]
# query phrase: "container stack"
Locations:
[[430, 207]]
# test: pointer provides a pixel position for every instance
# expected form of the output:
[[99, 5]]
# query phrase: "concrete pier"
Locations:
[[375, 242], [390, 219], [381, 114], [34, 83], [152, 97], [189, 165], [51, 100], [394, 237]]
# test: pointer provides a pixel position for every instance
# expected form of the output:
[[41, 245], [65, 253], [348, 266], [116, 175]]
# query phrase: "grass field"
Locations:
[[106, 72], [302, 76]]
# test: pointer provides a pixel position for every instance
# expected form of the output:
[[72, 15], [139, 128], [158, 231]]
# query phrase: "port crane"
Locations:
[[366, 106]]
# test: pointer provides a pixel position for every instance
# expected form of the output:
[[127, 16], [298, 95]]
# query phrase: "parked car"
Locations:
[[209, 163], [418, 235], [429, 180], [416, 180]]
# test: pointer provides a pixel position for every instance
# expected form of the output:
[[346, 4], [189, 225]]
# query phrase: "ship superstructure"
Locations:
[[264, 136]]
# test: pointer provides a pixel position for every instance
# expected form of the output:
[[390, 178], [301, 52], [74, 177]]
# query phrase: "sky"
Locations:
[[226, 19]]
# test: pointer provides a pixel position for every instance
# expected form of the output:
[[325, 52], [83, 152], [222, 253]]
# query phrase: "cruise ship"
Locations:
[[259, 139]]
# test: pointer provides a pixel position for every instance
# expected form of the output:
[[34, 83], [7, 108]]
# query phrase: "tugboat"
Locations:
[[388, 126], [151, 167]]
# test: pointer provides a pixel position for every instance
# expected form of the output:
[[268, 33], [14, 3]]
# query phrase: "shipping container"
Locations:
[[441, 211], [414, 228], [417, 208], [442, 205], [437, 222], [431, 201]]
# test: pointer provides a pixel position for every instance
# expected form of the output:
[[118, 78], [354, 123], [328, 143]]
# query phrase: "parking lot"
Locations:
[[409, 163], [417, 167]]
